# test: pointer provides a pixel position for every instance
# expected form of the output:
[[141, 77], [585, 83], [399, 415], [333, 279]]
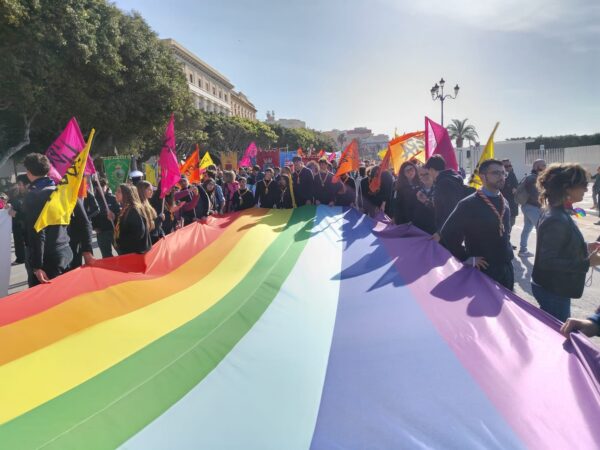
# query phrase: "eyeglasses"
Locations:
[[508, 166], [497, 173]]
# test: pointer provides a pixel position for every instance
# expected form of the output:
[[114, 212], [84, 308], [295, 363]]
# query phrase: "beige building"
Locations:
[[241, 106], [212, 91], [285, 123]]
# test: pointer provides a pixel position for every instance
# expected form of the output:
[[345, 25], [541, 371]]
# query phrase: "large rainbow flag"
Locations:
[[290, 329]]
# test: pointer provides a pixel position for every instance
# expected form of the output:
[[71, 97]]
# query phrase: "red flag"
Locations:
[[375, 183], [190, 167], [169, 169], [349, 161], [438, 142], [300, 152]]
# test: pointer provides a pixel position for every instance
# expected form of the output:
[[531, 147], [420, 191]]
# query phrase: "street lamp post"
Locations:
[[437, 93]]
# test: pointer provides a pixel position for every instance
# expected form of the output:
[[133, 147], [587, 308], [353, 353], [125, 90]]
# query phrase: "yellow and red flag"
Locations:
[[410, 146]]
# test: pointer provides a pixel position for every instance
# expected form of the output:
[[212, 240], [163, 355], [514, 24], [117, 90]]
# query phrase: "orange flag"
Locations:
[[349, 161], [300, 153], [190, 167], [375, 183]]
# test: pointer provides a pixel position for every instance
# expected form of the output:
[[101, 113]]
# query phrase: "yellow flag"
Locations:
[[205, 162], [488, 153], [151, 174], [382, 153], [60, 205]]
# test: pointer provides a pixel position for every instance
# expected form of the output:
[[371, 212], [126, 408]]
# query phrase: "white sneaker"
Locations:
[[525, 254]]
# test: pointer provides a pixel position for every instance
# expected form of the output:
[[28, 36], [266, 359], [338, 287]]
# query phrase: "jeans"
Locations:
[[555, 305], [105, 241], [531, 215]]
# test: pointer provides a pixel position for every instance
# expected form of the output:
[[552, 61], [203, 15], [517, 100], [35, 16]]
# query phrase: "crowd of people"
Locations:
[[474, 225]]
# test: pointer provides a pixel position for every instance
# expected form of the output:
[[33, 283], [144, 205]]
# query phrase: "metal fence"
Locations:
[[550, 155]]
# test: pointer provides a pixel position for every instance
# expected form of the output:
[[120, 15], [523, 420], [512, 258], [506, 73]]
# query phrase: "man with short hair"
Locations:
[[510, 189], [49, 252], [532, 208], [324, 189], [478, 231], [448, 190], [302, 181], [267, 191]]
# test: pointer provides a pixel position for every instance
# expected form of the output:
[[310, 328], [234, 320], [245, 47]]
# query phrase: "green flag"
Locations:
[[116, 169]]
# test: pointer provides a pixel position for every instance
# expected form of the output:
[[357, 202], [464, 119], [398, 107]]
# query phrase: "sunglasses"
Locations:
[[508, 166]]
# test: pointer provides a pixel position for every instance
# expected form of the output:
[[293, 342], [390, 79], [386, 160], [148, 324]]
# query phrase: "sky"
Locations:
[[532, 65]]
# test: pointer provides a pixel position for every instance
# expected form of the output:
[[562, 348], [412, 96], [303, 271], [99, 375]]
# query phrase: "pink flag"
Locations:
[[64, 150], [250, 153], [169, 169], [437, 142]]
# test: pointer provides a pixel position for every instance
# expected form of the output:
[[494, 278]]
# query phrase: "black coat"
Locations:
[[472, 229], [243, 200], [324, 189], [346, 192], [561, 256], [52, 240], [101, 222], [267, 194], [449, 189], [507, 192], [133, 235], [303, 186]]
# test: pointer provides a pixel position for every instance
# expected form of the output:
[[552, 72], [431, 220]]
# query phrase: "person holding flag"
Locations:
[[478, 230]]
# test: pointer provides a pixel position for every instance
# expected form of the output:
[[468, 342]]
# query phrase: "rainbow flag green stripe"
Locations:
[[141, 387]]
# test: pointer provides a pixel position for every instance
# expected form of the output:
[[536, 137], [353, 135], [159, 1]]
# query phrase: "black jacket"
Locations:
[[267, 194], [80, 228], [475, 224], [324, 188], [53, 239], [403, 202], [303, 186], [449, 189], [533, 195], [423, 214], [507, 192], [346, 192], [561, 256], [133, 234], [242, 201], [101, 222]]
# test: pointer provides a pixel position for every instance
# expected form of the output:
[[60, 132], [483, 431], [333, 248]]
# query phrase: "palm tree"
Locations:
[[459, 131]]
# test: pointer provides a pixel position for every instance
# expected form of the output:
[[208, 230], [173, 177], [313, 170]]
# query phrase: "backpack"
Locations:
[[521, 196]]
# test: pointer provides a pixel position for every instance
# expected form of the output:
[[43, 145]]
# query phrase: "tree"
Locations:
[[459, 131], [87, 59], [341, 139]]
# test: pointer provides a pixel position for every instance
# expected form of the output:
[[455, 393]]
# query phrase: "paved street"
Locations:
[[523, 266]]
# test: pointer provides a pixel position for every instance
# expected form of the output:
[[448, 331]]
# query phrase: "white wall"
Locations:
[[587, 156], [515, 151]]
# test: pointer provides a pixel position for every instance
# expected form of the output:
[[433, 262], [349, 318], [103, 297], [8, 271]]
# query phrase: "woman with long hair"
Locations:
[[207, 205], [132, 230], [152, 212], [373, 201], [562, 257], [286, 188], [404, 195]]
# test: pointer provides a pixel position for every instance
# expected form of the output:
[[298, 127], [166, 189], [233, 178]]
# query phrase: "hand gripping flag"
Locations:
[[488, 153], [375, 183], [169, 169], [190, 167], [349, 161], [60, 205]]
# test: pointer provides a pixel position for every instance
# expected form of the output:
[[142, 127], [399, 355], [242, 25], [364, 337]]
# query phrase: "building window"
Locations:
[[207, 86], [225, 97], [214, 91], [199, 83], [191, 78]]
